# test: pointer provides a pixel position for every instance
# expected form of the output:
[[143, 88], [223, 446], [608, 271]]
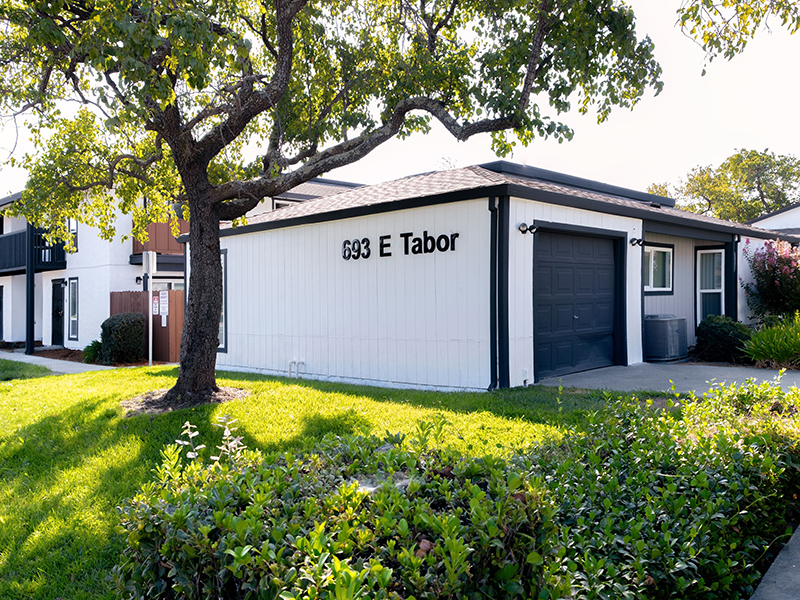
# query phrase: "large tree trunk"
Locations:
[[197, 378]]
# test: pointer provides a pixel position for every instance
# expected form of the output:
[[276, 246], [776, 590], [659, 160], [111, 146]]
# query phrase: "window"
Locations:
[[657, 274], [223, 315], [72, 226], [73, 308], [710, 283]]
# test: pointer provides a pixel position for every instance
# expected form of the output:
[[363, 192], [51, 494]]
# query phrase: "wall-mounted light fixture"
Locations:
[[139, 280], [525, 228], [637, 242]]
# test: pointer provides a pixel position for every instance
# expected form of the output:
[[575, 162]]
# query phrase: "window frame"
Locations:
[[72, 227], [698, 276], [649, 290], [70, 336]]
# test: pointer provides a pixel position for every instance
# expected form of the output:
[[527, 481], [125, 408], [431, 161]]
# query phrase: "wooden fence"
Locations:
[[166, 339]]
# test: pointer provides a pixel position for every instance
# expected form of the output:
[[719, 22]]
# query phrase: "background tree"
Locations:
[[170, 92], [747, 185], [724, 27]]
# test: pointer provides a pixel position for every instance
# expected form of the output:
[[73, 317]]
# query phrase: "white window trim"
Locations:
[[701, 291], [650, 267], [73, 280]]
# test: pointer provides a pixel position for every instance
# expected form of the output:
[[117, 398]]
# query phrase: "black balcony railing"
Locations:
[[48, 257]]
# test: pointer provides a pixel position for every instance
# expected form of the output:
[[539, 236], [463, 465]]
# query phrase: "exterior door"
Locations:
[[710, 283], [573, 297], [58, 314]]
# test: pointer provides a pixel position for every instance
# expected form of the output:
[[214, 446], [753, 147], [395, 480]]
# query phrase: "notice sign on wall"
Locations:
[[155, 305], [163, 300]]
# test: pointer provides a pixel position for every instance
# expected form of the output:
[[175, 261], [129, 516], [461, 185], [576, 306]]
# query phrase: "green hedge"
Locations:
[[721, 339], [641, 504], [122, 338]]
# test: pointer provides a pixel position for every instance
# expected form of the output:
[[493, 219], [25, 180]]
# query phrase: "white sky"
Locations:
[[750, 102]]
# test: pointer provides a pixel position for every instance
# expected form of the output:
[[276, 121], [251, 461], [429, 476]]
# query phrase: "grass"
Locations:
[[12, 369], [68, 456]]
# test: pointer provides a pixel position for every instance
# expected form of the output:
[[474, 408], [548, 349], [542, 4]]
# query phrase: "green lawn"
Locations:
[[12, 369], [68, 457]]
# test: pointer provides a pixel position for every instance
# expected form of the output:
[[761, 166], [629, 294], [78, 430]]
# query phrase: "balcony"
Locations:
[[161, 239], [48, 257]]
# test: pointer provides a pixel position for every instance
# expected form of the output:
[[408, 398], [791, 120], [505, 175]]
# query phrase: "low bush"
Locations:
[[721, 339], [93, 352], [356, 517], [122, 338], [776, 346], [642, 504]]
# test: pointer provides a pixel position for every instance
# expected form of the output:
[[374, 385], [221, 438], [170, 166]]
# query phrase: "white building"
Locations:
[[71, 291], [474, 278]]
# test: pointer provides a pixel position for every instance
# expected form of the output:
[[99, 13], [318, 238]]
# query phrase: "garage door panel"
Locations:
[[574, 277], [565, 320]]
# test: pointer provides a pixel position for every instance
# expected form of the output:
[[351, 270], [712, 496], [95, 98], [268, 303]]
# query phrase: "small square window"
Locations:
[[657, 275]]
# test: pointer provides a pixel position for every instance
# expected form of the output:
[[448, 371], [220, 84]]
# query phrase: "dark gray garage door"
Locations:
[[573, 301]]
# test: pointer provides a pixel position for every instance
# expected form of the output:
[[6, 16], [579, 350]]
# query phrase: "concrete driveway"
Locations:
[[656, 377]]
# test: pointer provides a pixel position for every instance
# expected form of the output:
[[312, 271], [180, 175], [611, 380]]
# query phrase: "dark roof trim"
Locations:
[[502, 189], [503, 166], [361, 211], [164, 262], [10, 199], [774, 212]]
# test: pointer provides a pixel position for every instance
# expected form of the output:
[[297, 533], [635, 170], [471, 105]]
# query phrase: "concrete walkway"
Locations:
[[656, 377], [60, 367], [782, 580]]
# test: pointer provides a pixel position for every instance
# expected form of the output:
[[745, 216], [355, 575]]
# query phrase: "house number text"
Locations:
[[424, 244]]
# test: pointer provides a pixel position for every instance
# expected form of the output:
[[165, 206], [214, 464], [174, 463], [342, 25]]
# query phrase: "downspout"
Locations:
[[493, 293]]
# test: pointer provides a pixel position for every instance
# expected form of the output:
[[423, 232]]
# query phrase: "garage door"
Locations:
[[573, 300]]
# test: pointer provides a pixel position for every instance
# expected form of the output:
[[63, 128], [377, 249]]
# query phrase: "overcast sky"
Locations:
[[750, 102]]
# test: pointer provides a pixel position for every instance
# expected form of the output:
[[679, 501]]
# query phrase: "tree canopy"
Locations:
[[724, 27], [745, 186], [173, 97]]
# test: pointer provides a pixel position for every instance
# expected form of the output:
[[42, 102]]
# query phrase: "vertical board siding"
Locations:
[[407, 320], [681, 302], [520, 301]]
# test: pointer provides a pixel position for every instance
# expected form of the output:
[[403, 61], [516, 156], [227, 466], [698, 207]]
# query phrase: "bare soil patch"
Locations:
[[62, 354], [156, 403]]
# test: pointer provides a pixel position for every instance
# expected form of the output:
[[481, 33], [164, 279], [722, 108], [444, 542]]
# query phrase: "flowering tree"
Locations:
[[775, 289]]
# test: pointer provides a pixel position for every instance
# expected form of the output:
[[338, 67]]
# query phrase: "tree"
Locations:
[[724, 27], [747, 185], [171, 92]]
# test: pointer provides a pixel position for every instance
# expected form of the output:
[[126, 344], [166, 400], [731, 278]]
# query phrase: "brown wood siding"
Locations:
[[166, 340], [161, 239]]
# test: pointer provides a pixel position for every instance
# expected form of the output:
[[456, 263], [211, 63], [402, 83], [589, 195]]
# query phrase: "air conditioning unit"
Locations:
[[664, 337]]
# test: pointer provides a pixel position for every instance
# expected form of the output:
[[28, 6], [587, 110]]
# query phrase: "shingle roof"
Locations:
[[475, 178]]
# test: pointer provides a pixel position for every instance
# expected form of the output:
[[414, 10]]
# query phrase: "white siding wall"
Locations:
[[419, 320], [749, 244], [786, 220], [13, 224], [101, 267], [520, 308], [14, 308]]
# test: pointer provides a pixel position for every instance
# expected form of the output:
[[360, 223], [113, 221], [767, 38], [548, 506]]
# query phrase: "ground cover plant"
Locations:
[[12, 369], [68, 457], [639, 504]]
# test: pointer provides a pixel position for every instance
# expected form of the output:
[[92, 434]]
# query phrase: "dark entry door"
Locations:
[[573, 300], [58, 314]]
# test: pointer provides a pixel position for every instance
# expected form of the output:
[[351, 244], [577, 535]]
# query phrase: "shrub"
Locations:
[[675, 505], [681, 504], [93, 352], [720, 338], [775, 288], [122, 338], [777, 346], [354, 517]]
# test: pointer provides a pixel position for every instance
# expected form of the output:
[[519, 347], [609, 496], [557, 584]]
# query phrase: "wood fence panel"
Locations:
[[166, 340]]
